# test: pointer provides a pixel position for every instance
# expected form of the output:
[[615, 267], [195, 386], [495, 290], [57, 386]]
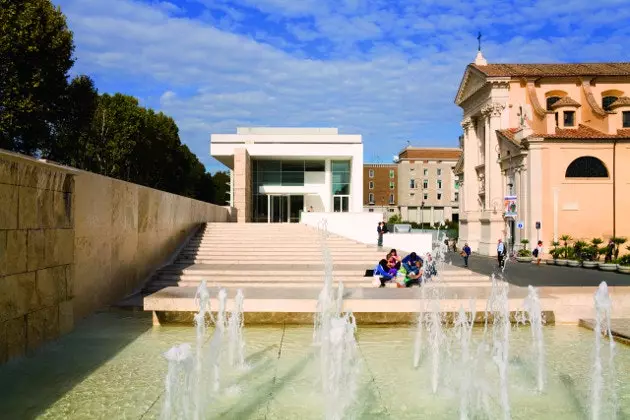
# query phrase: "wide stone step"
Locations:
[[274, 253], [348, 283], [357, 300], [274, 247], [290, 261]]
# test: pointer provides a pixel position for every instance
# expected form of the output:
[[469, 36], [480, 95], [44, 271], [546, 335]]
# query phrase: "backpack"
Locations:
[[535, 252]]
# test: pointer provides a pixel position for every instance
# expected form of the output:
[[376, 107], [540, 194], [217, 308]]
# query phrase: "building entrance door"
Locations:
[[285, 208], [278, 209]]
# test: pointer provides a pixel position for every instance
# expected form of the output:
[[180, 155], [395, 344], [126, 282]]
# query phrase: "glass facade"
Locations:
[[280, 208], [340, 177]]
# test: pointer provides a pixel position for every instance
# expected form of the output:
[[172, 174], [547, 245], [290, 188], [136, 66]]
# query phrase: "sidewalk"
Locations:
[[524, 274]]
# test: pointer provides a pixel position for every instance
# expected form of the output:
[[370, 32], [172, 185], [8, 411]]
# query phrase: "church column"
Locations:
[[469, 190], [487, 158], [493, 168]]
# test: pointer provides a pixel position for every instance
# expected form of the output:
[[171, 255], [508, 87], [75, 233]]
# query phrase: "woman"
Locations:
[[393, 260], [414, 278], [382, 271]]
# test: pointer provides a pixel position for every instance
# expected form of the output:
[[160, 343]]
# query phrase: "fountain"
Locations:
[[601, 385], [532, 314], [187, 391], [236, 342], [334, 333]]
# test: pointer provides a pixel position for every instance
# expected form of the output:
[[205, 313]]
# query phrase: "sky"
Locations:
[[386, 69]]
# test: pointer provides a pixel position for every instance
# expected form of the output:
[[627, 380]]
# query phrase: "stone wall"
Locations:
[[72, 242], [123, 232], [242, 179], [36, 253]]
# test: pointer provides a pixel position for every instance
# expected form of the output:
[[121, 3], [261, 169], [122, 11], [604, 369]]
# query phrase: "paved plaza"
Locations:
[[525, 274]]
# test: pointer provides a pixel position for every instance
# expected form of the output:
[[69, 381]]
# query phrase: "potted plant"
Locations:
[[563, 257], [574, 257], [524, 254], [553, 252], [612, 265], [591, 254], [623, 263]]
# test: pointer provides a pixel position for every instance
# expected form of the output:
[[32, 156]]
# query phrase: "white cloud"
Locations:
[[398, 85]]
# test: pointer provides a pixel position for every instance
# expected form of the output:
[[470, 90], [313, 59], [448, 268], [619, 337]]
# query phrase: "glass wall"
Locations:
[[340, 177], [341, 185], [279, 172]]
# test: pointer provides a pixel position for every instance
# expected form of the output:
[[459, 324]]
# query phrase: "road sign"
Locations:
[[520, 225]]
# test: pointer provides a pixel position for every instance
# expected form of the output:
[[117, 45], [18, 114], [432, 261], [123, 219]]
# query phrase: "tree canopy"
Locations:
[[43, 113]]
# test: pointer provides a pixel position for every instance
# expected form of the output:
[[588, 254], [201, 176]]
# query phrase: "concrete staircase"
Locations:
[[271, 255], [280, 269], [265, 255]]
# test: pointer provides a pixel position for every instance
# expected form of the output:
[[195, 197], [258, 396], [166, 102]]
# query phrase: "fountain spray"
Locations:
[[603, 310], [236, 342]]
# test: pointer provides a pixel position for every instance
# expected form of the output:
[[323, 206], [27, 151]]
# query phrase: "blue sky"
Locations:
[[386, 69]]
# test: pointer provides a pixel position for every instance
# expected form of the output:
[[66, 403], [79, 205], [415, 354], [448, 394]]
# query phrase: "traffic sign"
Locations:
[[520, 225]]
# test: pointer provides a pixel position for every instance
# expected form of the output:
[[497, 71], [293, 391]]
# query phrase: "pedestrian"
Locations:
[[466, 251], [538, 251], [501, 253], [380, 232], [609, 251]]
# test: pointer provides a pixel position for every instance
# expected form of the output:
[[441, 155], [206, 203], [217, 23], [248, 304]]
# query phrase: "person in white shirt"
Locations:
[[538, 251], [501, 253]]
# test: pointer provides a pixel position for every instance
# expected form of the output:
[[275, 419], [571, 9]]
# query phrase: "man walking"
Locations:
[[380, 230], [501, 253], [466, 253]]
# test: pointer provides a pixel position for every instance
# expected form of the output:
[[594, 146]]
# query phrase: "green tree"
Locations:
[[117, 127], [35, 57], [221, 181], [73, 140]]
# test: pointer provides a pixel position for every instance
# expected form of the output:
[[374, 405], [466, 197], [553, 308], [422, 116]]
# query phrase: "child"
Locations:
[[538, 252]]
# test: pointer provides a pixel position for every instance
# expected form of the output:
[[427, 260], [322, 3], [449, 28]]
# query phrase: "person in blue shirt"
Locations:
[[382, 271], [409, 262], [466, 251]]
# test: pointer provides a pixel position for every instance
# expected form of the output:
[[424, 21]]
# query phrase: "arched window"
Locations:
[[607, 101], [552, 100], [586, 167]]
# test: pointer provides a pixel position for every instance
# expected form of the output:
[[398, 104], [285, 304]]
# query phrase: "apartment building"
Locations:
[[380, 193], [428, 190]]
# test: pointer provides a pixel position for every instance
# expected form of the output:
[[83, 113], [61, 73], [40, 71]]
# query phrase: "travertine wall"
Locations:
[[72, 242], [242, 185], [36, 253], [125, 231]]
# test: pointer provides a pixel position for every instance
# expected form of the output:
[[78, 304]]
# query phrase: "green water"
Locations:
[[111, 367]]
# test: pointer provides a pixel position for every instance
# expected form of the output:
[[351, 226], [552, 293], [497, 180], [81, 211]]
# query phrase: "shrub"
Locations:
[[625, 260], [524, 253]]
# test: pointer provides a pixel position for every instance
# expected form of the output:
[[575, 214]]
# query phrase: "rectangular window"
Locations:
[[340, 177], [371, 173], [425, 196], [315, 166], [456, 197], [569, 118], [426, 171], [557, 122], [625, 117], [425, 184], [371, 185], [439, 196], [371, 198], [392, 185], [439, 184], [439, 172], [412, 183], [371, 210], [392, 173], [391, 199]]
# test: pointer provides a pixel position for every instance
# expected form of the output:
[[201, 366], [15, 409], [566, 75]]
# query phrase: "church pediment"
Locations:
[[472, 81]]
